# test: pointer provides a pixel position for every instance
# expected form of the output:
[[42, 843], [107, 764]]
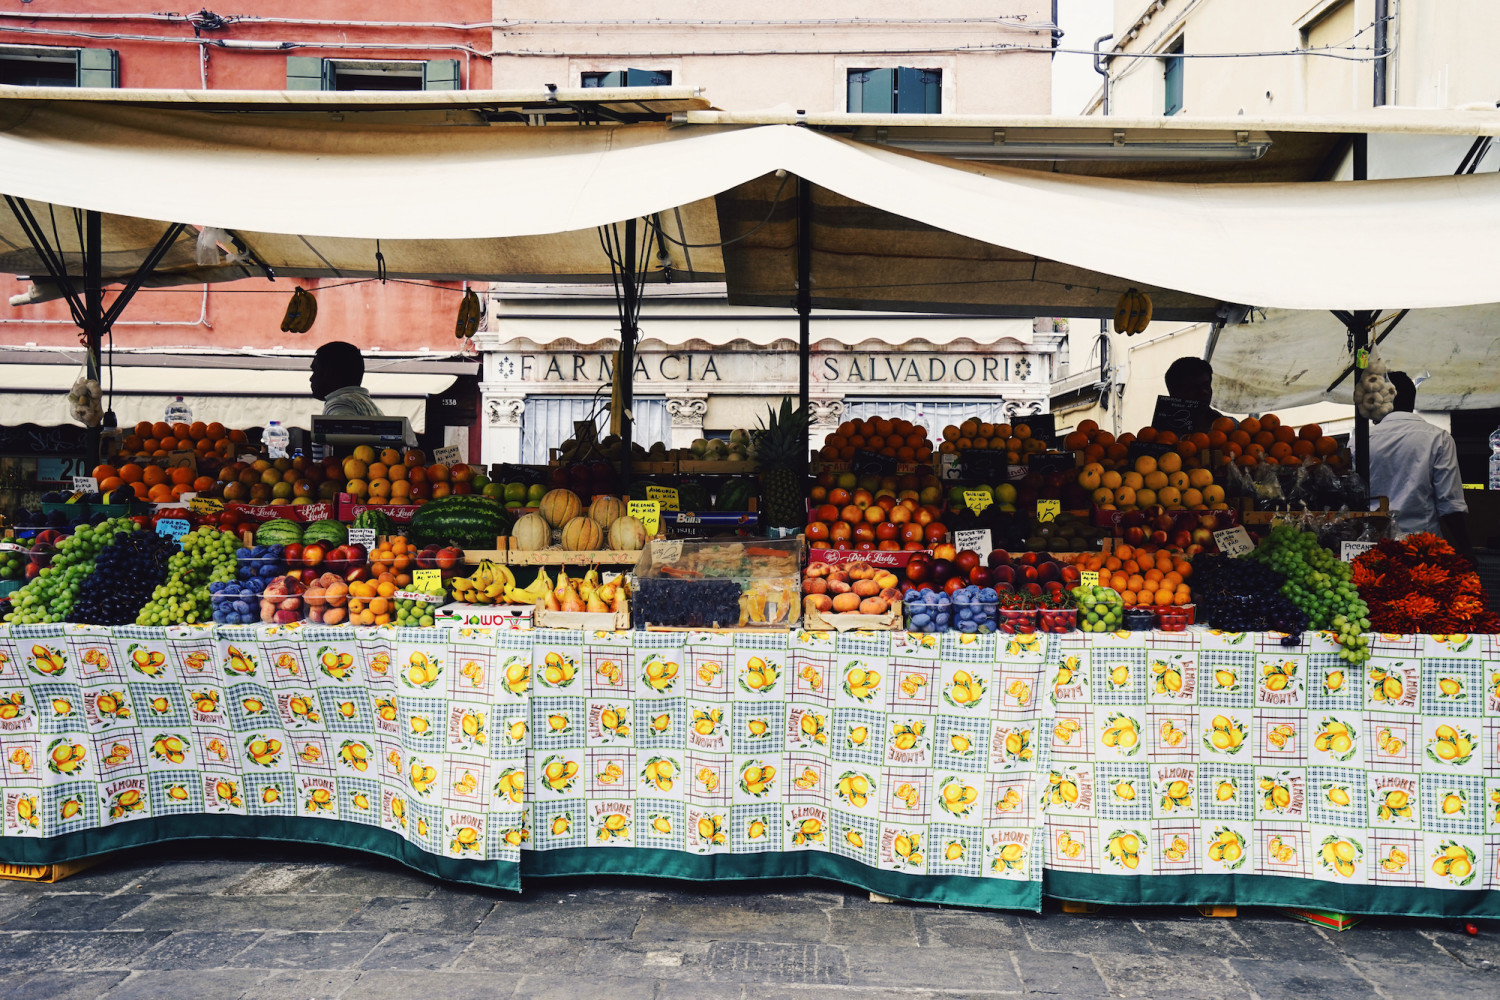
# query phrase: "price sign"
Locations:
[[448, 455], [1016, 473], [172, 528], [412, 595], [59, 470], [664, 495], [973, 541], [648, 512], [85, 484], [1180, 416], [1089, 578], [12, 547], [978, 500], [425, 579], [205, 505], [362, 536], [948, 465], [1047, 510], [664, 551], [1234, 542], [1350, 551]]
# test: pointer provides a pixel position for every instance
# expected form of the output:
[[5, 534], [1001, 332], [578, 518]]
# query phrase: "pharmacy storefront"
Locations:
[[532, 395]]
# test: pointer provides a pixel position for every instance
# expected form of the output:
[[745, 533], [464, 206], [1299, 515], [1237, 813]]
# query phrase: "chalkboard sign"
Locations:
[[1044, 463], [1043, 425], [1180, 416], [869, 463], [985, 466]]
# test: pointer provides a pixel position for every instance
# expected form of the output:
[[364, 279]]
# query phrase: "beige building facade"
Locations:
[[705, 367], [1324, 65]]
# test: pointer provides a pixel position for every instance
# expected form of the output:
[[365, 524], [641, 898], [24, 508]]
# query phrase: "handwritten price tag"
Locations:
[[648, 512], [1089, 578], [423, 579], [448, 455], [85, 484], [411, 595], [1350, 551], [172, 528], [664, 495], [1047, 510], [205, 505], [978, 500], [1234, 542], [362, 536], [664, 551], [973, 541]]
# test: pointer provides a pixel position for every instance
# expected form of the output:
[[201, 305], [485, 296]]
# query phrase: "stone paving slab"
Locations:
[[320, 924]]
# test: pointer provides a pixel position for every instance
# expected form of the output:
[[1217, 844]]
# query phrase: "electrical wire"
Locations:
[[775, 204]]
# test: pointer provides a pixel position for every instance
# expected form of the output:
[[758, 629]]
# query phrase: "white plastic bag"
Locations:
[[84, 401], [1374, 395]]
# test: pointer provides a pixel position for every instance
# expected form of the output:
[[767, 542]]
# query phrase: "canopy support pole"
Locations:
[[629, 330], [804, 307], [93, 311], [1359, 330]]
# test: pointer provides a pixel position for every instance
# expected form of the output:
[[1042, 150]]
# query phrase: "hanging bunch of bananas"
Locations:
[[486, 585], [470, 312], [531, 593], [300, 312], [1132, 312]]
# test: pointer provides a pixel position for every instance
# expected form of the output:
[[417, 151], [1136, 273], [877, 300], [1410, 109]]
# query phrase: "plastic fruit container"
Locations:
[[1018, 621], [1139, 619], [236, 602], [1055, 620], [1172, 618]]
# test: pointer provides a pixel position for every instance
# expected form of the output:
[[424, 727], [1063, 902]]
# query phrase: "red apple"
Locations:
[[875, 514], [999, 557], [827, 512], [913, 534], [864, 533], [955, 583], [979, 576], [888, 545], [887, 531], [312, 555], [944, 551], [838, 497], [840, 531], [965, 560]]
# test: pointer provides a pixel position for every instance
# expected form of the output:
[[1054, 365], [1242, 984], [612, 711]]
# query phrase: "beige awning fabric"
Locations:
[[1284, 358], [308, 192], [236, 398]]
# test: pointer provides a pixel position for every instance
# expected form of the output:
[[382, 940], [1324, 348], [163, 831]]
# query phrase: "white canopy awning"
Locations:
[[311, 193]]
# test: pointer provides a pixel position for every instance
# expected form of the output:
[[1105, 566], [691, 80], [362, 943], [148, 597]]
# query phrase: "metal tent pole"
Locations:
[[630, 295], [93, 313], [804, 306]]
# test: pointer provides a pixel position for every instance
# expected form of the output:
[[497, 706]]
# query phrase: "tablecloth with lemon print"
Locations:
[[982, 770]]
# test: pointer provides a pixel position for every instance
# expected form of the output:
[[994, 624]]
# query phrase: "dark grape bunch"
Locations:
[[688, 603], [125, 573], [1240, 595]]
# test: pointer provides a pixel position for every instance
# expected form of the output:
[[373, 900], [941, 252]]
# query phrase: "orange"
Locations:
[[1088, 426], [1240, 437], [1280, 450], [1076, 441], [1117, 452], [239, 437], [153, 475], [203, 483], [182, 475], [1250, 425], [1310, 432], [151, 444], [950, 433], [169, 444], [1123, 552], [143, 429], [160, 493], [1146, 434], [1125, 438], [1163, 597], [1270, 422], [198, 430], [1303, 447], [1145, 464], [103, 472], [1264, 438], [1224, 424], [1326, 446], [160, 429], [1217, 439], [140, 491], [180, 489], [1170, 462], [1166, 437], [109, 483], [1128, 597], [1105, 438]]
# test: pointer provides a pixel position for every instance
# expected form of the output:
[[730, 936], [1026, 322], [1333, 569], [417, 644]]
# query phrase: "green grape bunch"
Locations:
[[207, 557], [1320, 584], [50, 595]]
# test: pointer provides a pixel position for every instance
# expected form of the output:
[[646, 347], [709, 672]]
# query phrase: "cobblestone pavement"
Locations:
[[227, 921]]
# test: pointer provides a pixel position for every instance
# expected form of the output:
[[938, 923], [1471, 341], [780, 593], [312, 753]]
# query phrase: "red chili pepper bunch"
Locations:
[[1420, 584]]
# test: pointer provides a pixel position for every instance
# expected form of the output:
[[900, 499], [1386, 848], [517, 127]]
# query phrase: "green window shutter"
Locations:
[[872, 91], [98, 68], [648, 78], [306, 73], [918, 91], [441, 74]]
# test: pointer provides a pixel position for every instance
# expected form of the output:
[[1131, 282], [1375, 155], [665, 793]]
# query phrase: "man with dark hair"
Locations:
[[1415, 464], [337, 370], [1193, 378]]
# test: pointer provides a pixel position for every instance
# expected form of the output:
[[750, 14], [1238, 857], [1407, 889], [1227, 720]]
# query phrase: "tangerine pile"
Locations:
[[899, 439], [972, 435], [151, 482], [160, 439], [1253, 441], [1142, 578]]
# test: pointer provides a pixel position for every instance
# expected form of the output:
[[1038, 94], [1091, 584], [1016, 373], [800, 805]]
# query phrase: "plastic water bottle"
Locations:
[[1495, 460], [178, 412], [277, 440]]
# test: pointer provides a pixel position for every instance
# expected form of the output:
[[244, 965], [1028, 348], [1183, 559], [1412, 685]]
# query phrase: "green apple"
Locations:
[[534, 494], [515, 491]]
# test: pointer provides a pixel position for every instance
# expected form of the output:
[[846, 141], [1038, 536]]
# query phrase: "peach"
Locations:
[[815, 585], [837, 587], [845, 603], [873, 606], [818, 602], [866, 588]]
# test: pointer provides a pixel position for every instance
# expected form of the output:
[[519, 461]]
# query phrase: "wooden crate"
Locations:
[[818, 622], [1267, 516], [585, 621], [698, 466], [503, 553], [55, 872]]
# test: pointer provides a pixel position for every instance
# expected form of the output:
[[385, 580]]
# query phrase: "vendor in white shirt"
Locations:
[[1415, 464]]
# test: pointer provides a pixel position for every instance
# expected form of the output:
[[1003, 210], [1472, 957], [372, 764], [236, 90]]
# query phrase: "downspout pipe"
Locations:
[[1101, 66], [1382, 36]]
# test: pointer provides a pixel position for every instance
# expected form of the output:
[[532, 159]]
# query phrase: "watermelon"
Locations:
[[377, 519], [692, 496], [329, 531], [735, 495], [470, 521], [278, 532]]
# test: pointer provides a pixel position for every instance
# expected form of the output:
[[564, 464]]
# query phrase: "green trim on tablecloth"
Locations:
[[1267, 890], [333, 833], [954, 890]]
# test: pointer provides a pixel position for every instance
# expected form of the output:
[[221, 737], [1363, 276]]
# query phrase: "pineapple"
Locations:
[[781, 451]]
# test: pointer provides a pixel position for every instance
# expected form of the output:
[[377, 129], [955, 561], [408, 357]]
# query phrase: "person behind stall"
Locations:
[[1415, 464], [1193, 378], [338, 368]]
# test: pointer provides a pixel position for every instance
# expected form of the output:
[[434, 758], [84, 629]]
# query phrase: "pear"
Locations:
[[571, 601], [551, 601], [595, 603], [563, 583], [619, 606]]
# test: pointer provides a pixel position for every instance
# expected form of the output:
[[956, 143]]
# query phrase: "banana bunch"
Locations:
[[486, 585], [535, 591], [300, 312], [1132, 312], [470, 312]]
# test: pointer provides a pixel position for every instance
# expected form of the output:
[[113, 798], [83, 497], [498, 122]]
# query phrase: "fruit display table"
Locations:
[[985, 770]]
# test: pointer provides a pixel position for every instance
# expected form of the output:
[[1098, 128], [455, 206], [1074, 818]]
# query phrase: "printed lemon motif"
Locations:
[[1279, 736], [239, 661], [355, 754], [809, 830], [1068, 847], [1064, 730], [1278, 674], [1333, 681], [707, 723], [661, 674], [1283, 853], [1395, 861], [757, 779], [22, 759], [759, 675], [1124, 791], [661, 824], [614, 827], [1124, 848], [1009, 802], [311, 753], [1018, 745], [756, 829], [228, 793], [1389, 744], [808, 779], [124, 803], [861, 684], [912, 683], [1168, 677], [1337, 795], [904, 735], [1062, 790], [1122, 733], [1119, 675], [205, 702], [708, 670], [709, 779], [110, 703], [1226, 679], [858, 735], [1011, 857], [1024, 643], [1225, 734], [11, 707], [662, 722], [610, 671], [421, 777], [26, 811], [854, 788], [1396, 804], [966, 690], [1066, 671], [813, 677], [908, 847], [957, 797], [854, 838], [1170, 735], [814, 727], [517, 674], [466, 840], [63, 707], [1276, 797], [609, 774], [421, 670], [1454, 803], [1177, 850], [1178, 795], [398, 810], [959, 744], [1385, 686], [511, 784], [1339, 855], [1450, 687], [558, 670], [119, 753], [711, 830], [177, 793], [558, 723], [1336, 738], [1227, 847], [1451, 745], [47, 661], [360, 801], [1454, 861], [659, 772], [613, 722], [302, 708], [64, 757], [335, 664], [954, 851]]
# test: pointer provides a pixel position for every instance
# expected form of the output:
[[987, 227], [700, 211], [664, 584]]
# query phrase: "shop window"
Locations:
[[547, 422], [900, 91], [1171, 73], [629, 78], [314, 73], [36, 66]]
